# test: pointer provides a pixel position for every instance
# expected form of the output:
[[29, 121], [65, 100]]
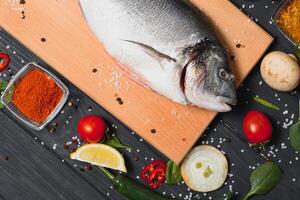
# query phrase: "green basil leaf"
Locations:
[[298, 51], [3, 85], [114, 142], [295, 134], [8, 97], [228, 196], [173, 175], [264, 178]]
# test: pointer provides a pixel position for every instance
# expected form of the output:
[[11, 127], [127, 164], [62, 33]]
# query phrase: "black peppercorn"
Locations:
[[153, 131], [3, 157]]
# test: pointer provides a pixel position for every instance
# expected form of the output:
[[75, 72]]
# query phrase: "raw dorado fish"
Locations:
[[168, 46]]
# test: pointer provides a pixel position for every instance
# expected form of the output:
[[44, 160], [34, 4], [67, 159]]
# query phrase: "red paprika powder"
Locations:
[[36, 95]]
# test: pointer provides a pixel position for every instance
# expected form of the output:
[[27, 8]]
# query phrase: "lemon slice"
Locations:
[[204, 169], [100, 155]]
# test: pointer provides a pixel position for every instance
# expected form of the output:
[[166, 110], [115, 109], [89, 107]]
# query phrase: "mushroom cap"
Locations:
[[280, 71]]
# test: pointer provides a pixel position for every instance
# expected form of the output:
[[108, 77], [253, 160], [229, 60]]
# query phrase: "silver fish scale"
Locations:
[[156, 22], [152, 38]]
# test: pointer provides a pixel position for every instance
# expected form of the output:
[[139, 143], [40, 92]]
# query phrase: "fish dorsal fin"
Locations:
[[157, 55]]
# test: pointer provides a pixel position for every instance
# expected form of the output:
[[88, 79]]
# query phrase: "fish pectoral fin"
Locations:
[[157, 55]]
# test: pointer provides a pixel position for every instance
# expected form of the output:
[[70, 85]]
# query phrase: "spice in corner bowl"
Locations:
[[36, 95], [287, 19]]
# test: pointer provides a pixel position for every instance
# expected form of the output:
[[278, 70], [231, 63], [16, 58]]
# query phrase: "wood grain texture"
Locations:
[[73, 51], [32, 172], [241, 162]]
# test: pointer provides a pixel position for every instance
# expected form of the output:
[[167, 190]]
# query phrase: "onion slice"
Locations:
[[204, 169]]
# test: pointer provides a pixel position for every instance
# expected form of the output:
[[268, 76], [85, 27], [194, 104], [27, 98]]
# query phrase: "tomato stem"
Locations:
[[264, 156]]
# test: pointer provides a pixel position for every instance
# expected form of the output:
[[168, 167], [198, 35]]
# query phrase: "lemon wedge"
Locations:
[[100, 155]]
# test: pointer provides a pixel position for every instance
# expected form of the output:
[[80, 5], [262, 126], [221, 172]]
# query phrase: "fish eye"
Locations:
[[223, 74]]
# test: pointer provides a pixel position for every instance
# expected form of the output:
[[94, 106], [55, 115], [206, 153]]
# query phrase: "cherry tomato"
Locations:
[[257, 127], [4, 61], [91, 128]]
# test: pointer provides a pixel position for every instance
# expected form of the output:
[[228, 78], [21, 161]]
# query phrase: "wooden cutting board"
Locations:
[[73, 50]]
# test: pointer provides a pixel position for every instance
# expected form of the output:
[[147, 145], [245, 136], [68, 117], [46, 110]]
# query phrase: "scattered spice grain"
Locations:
[[22, 14], [54, 124], [87, 168], [52, 130], [72, 150], [81, 169], [3, 157], [119, 99], [66, 146], [75, 141]]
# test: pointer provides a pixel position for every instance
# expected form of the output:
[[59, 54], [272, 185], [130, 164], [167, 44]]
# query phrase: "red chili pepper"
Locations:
[[4, 61], [154, 174]]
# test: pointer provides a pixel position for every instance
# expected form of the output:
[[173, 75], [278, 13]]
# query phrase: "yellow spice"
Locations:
[[289, 20]]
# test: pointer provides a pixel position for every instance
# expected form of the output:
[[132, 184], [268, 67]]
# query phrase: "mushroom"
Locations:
[[280, 71]]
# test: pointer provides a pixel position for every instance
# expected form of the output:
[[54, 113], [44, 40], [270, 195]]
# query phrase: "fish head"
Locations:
[[208, 80]]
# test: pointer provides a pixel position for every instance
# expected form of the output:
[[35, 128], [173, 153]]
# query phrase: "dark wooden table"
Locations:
[[38, 164]]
